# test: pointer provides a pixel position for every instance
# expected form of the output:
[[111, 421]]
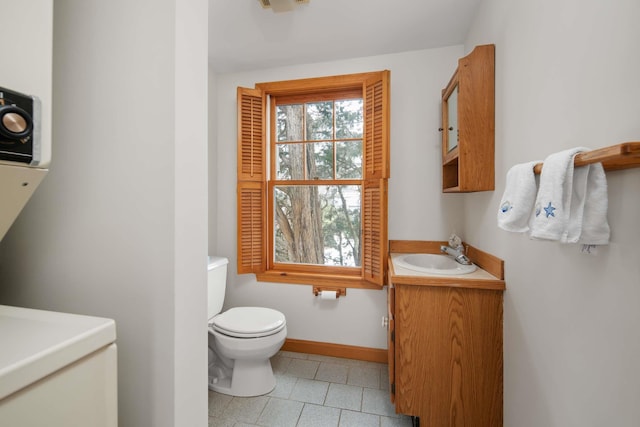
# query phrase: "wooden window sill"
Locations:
[[333, 280]]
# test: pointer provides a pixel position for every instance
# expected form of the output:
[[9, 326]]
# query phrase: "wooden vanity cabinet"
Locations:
[[468, 128], [445, 350]]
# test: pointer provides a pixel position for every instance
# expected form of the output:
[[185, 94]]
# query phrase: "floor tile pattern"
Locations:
[[314, 391]]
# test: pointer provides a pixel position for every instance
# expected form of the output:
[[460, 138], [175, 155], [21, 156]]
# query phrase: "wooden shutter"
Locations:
[[376, 126], [251, 187], [251, 135], [376, 172], [374, 231]]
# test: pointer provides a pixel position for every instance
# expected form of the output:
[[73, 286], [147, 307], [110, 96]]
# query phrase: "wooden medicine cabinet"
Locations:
[[468, 124]]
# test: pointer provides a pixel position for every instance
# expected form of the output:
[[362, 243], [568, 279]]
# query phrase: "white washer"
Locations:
[[57, 369]]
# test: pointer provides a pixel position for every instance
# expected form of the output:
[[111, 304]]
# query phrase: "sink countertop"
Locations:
[[488, 275]]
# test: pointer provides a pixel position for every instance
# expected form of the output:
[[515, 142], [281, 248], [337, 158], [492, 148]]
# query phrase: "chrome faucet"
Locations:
[[456, 250]]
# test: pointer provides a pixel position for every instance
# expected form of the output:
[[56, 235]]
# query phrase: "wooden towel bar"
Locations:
[[615, 157]]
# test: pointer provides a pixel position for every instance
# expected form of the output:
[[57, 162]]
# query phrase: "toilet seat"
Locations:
[[248, 322]]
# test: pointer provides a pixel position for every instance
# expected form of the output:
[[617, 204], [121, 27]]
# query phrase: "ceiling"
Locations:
[[243, 36]]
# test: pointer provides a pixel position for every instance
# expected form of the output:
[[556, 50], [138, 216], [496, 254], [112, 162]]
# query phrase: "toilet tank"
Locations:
[[216, 284]]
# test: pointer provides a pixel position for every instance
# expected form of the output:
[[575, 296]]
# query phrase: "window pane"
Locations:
[[289, 161], [349, 118], [283, 161], [320, 160], [317, 224], [289, 122], [349, 160], [319, 120]]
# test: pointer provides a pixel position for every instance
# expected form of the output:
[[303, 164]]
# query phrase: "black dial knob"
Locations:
[[15, 123]]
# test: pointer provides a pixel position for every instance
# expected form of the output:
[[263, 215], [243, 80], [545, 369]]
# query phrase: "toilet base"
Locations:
[[248, 378]]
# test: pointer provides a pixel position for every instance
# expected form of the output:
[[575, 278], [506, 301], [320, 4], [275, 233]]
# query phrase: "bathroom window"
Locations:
[[312, 199]]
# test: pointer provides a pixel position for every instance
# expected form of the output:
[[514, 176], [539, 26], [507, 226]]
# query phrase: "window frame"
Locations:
[[373, 88], [273, 181]]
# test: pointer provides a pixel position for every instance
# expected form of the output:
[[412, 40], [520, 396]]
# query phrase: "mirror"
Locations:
[[450, 130], [452, 120]]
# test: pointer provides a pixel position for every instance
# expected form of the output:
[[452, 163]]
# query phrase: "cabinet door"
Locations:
[[449, 355], [391, 354]]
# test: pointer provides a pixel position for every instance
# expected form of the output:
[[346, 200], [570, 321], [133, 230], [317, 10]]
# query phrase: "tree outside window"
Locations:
[[319, 220]]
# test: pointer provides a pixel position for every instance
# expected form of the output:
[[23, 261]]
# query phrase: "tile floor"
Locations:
[[314, 391]]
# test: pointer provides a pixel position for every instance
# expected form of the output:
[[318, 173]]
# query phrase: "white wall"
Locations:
[[417, 209], [190, 204], [212, 163], [118, 228], [566, 76]]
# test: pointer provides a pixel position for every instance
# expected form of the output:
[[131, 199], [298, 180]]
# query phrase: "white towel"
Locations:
[[553, 204], [516, 205], [571, 201], [595, 227]]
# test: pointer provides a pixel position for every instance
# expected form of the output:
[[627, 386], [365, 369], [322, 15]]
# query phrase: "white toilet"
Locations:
[[241, 340]]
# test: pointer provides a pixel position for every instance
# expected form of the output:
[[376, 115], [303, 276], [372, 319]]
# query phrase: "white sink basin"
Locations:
[[433, 264]]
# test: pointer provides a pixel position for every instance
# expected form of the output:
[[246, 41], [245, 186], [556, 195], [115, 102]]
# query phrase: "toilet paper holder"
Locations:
[[340, 292]]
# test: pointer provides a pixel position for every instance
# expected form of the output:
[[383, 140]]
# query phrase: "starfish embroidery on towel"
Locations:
[[549, 210]]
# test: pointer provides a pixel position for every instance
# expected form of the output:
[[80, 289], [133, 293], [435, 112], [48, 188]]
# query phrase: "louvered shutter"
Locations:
[[374, 231], [376, 128], [376, 172], [251, 181]]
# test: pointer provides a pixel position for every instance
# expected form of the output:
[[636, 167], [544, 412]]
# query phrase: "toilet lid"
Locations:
[[249, 322]]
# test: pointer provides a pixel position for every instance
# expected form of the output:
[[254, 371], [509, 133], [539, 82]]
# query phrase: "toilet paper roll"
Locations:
[[328, 295]]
